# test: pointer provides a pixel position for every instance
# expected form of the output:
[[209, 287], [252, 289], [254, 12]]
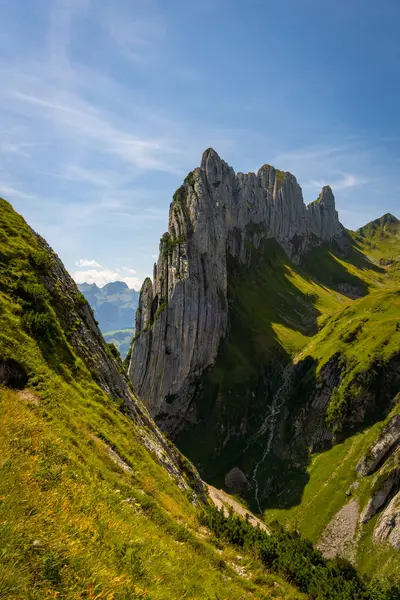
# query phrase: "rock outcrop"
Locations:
[[385, 445], [12, 374], [385, 486], [183, 314], [388, 526]]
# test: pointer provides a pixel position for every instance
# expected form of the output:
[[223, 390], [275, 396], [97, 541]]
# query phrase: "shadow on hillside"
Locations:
[[249, 424], [235, 396], [324, 266], [231, 413], [284, 468]]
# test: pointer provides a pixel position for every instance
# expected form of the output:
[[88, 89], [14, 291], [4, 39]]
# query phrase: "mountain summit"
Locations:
[[387, 223], [267, 346], [216, 216]]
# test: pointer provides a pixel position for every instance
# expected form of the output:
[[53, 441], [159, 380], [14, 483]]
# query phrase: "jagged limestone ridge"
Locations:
[[183, 314]]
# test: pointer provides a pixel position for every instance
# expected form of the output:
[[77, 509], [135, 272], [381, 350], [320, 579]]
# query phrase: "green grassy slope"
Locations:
[[366, 336], [75, 524], [331, 474], [86, 511]]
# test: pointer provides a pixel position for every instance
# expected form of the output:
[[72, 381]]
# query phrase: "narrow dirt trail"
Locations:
[[223, 500]]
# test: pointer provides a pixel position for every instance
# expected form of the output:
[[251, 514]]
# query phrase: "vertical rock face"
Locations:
[[322, 216], [182, 315]]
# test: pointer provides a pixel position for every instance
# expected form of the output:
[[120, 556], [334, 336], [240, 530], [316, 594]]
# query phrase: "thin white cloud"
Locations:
[[134, 283], [344, 166], [10, 192], [103, 276], [139, 39], [312, 153], [80, 122], [93, 177], [20, 149], [346, 182], [85, 262]]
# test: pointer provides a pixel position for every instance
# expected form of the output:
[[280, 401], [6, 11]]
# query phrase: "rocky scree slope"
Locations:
[[217, 215]]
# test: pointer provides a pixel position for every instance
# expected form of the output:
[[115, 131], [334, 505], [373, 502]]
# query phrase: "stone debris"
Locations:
[[339, 536]]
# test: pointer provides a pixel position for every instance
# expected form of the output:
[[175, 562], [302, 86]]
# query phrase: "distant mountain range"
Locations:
[[115, 307]]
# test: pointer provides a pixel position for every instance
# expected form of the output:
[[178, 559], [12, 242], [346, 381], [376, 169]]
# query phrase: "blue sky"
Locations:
[[105, 106]]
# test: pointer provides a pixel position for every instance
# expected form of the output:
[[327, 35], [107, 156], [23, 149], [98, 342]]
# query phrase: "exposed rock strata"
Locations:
[[386, 443], [182, 314], [390, 482], [77, 319], [388, 527]]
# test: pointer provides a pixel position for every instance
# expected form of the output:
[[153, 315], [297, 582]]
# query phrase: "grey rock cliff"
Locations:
[[182, 314], [380, 497], [388, 526], [385, 445]]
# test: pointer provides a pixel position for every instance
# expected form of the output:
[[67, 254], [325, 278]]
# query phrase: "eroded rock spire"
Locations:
[[183, 314]]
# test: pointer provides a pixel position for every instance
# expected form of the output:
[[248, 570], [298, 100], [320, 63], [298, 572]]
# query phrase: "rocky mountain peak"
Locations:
[[214, 167], [215, 216], [326, 197], [388, 217], [88, 287], [143, 316], [385, 219], [115, 287], [386, 222]]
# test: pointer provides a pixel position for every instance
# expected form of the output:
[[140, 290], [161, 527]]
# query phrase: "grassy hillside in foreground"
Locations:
[[77, 522], [86, 510]]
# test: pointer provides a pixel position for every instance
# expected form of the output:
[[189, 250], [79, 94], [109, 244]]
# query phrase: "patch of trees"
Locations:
[[293, 557]]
